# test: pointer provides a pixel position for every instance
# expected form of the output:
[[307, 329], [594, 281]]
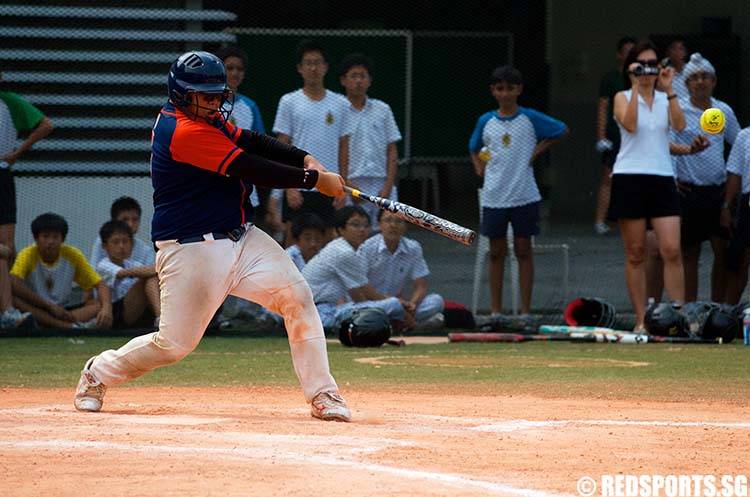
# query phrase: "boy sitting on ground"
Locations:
[[393, 263], [308, 234], [337, 275], [42, 280], [132, 285]]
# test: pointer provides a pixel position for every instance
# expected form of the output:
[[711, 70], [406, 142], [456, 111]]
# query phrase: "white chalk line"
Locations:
[[484, 423], [524, 424], [254, 453]]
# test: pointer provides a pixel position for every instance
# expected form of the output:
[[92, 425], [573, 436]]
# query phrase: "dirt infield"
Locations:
[[415, 442]]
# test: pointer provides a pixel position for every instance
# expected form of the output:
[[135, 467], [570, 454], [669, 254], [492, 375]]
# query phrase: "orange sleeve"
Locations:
[[204, 146]]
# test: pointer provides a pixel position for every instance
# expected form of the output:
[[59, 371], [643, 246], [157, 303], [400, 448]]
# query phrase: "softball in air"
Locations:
[[712, 121]]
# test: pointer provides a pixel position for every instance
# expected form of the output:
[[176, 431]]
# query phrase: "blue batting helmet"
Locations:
[[197, 72]]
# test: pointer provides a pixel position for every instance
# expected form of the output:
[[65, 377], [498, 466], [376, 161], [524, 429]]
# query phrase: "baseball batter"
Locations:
[[202, 170]]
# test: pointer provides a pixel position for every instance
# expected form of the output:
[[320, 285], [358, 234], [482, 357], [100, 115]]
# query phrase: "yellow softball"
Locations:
[[712, 121]]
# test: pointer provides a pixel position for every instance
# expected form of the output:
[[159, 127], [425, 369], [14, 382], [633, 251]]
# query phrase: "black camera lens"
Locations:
[[638, 70]]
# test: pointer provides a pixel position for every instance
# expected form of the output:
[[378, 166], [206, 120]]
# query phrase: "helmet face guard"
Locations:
[[191, 104], [199, 72]]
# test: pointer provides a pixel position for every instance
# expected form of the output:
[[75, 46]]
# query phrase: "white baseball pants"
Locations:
[[195, 278]]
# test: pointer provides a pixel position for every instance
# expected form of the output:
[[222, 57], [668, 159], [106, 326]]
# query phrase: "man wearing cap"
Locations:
[[701, 176]]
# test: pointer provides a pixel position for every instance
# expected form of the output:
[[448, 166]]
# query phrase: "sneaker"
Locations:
[[13, 318], [601, 228], [90, 391], [434, 322], [639, 328], [83, 325], [330, 406]]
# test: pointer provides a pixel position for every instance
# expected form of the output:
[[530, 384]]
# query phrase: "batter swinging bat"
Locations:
[[419, 217]]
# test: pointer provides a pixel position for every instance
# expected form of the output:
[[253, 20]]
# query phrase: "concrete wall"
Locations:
[[581, 37]]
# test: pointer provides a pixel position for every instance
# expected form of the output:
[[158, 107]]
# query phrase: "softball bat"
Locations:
[[419, 217]]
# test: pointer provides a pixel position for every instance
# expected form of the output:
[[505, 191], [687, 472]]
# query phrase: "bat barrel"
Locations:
[[419, 217]]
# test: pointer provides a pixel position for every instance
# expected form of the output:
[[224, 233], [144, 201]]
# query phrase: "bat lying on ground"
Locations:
[[614, 337], [619, 336], [419, 217], [517, 337], [548, 328]]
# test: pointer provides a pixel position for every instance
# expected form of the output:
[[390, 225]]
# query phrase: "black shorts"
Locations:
[[523, 218], [145, 320], [701, 210], [7, 197], [314, 202], [643, 196]]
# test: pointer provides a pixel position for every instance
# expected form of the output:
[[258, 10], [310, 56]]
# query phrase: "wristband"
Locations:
[[670, 97]]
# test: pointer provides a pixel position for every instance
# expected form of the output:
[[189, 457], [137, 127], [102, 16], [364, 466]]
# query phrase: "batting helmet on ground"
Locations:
[[721, 323], [664, 320], [711, 320], [368, 327], [590, 311]]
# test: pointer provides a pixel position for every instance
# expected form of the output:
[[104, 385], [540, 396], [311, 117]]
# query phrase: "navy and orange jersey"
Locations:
[[192, 194]]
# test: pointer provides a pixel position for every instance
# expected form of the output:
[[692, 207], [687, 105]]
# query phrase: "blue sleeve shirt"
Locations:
[[509, 176]]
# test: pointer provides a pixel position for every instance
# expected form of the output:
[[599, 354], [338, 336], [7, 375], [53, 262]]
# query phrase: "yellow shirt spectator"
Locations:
[[54, 281]]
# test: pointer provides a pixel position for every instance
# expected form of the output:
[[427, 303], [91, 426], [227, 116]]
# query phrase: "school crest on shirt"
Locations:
[[329, 118], [506, 140]]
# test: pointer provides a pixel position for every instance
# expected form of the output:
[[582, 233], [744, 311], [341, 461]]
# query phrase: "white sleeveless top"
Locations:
[[646, 151]]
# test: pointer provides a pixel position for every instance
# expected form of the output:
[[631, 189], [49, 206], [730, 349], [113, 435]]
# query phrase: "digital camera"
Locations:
[[646, 71]]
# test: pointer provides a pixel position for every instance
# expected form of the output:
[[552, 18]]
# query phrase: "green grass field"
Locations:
[[649, 372]]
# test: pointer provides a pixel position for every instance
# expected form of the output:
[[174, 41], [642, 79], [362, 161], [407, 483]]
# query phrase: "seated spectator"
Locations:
[[392, 261], [10, 317], [337, 277], [42, 280], [127, 210], [132, 284], [308, 233]]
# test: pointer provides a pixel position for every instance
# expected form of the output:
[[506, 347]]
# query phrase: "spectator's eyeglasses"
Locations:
[[648, 63]]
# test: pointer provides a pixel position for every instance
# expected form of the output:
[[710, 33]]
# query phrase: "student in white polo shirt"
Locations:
[[337, 275], [394, 261], [313, 119], [701, 177], [373, 156], [738, 180]]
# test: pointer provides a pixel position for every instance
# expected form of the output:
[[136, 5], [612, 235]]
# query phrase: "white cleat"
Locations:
[[90, 391], [330, 406]]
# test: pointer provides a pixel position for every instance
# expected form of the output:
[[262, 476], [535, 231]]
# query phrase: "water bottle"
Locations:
[[746, 326], [484, 154]]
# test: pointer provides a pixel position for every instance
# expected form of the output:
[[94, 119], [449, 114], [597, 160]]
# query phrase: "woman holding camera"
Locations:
[[643, 186]]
